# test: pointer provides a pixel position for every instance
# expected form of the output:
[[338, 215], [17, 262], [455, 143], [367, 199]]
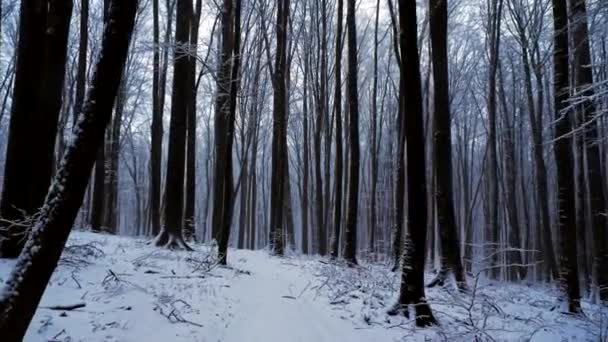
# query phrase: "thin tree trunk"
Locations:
[[335, 242]]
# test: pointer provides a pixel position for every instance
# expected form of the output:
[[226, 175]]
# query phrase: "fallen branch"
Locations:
[[65, 307]]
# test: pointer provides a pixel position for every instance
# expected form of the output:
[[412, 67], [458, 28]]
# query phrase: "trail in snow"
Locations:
[[278, 302]]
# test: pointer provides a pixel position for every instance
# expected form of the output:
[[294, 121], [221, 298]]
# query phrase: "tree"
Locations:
[[350, 243], [583, 79], [279, 131], [374, 143], [320, 117], [35, 265], [171, 234], [491, 166], [335, 242], [224, 130], [412, 277], [36, 99], [156, 128], [444, 197], [189, 214], [566, 220]]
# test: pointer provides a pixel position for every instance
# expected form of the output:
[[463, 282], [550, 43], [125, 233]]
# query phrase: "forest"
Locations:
[[299, 170]]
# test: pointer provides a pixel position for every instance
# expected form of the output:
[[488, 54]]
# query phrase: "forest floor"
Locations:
[[128, 290]]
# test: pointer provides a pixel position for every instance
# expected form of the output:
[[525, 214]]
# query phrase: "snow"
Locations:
[[134, 291]]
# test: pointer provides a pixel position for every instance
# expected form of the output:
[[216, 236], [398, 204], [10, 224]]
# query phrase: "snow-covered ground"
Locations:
[[135, 292]]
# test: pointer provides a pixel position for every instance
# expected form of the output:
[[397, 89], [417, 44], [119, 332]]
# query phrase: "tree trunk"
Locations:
[[36, 264], [39, 76], [189, 215], [563, 158], [444, 197], [335, 242], [583, 79], [350, 242], [279, 132], [171, 234], [492, 225], [224, 126], [412, 277], [156, 129]]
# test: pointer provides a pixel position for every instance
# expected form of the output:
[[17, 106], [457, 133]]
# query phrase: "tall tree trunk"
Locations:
[[156, 129], [412, 277], [171, 234], [374, 143], [279, 132], [305, 178], [189, 214], [563, 158], [39, 76], [321, 229], [492, 225], [224, 120], [25, 286], [335, 242], [444, 197], [350, 242], [583, 79]]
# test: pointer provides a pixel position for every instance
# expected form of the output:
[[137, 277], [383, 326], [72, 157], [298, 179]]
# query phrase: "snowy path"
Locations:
[[276, 303]]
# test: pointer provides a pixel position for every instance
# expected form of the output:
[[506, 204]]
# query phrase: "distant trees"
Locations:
[[52, 225], [36, 102]]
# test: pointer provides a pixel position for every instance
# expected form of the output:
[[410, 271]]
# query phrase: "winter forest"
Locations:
[[303, 170]]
